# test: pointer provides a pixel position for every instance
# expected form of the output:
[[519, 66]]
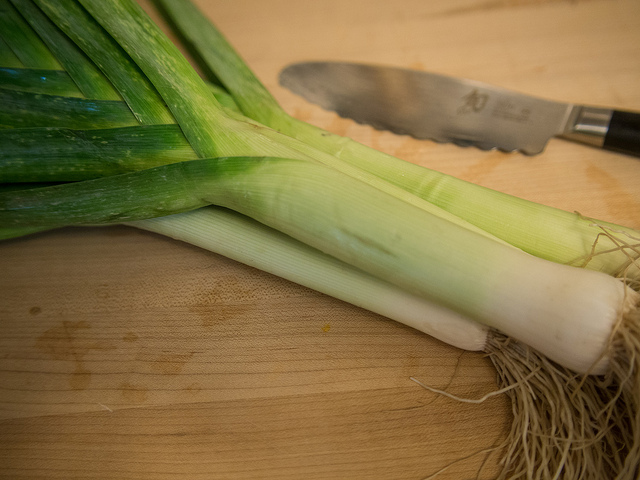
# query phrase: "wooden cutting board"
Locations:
[[124, 354]]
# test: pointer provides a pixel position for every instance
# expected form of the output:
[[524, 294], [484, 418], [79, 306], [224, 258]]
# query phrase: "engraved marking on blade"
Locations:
[[507, 110], [473, 102]]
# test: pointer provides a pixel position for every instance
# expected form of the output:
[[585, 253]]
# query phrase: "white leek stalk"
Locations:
[[240, 238]]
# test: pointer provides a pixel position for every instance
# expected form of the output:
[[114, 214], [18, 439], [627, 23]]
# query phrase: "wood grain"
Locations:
[[124, 354]]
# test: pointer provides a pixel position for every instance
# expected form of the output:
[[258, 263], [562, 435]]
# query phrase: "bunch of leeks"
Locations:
[[106, 122]]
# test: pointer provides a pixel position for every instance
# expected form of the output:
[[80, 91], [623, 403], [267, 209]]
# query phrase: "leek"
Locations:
[[368, 229], [337, 207], [248, 138], [543, 231]]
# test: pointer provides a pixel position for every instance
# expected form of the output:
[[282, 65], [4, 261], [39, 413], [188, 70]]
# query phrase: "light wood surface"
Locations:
[[124, 354]]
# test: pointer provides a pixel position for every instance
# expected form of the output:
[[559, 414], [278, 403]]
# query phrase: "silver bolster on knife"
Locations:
[[587, 125]]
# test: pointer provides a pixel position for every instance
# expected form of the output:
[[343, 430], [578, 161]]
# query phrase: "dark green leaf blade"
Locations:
[[189, 98], [50, 82], [115, 63], [24, 109], [23, 41], [7, 57], [61, 154], [144, 194], [82, 70]]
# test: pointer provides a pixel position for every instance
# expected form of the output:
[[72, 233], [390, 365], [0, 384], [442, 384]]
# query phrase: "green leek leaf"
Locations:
[[65, 155], [23, 41], [91, 82], [50, 82], [133, 86], [24, 109]]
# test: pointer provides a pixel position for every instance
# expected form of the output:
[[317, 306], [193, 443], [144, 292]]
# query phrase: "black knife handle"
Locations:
[[623, 134]]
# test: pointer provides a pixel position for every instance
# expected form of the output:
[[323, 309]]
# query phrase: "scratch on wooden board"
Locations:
[[491, 5]]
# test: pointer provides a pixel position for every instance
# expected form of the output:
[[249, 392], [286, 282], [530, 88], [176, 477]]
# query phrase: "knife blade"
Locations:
[[461, 111]]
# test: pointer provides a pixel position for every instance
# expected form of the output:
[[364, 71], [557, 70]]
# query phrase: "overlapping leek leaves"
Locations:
[[95, 99], [124, 150], [560, 236]]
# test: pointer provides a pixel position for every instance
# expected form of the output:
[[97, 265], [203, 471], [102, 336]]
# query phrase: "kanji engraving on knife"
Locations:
[[474, 102]]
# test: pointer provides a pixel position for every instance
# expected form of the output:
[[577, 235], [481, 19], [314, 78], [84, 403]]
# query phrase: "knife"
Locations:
[[465, 112]]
